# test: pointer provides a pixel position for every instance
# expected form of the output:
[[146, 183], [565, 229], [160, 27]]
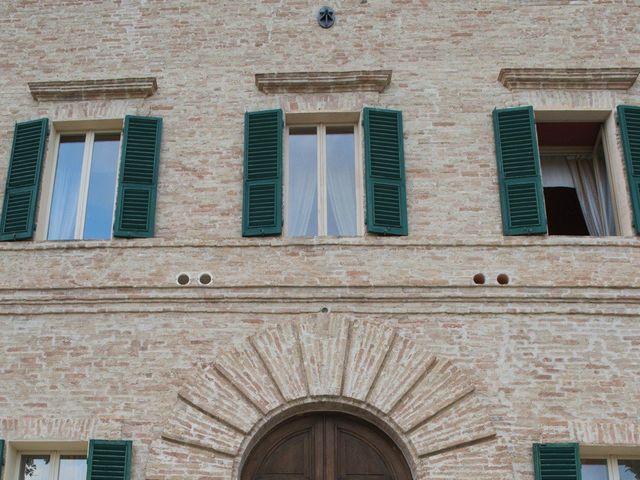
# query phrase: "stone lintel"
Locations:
[[324, 82], [568, 78], [94, 89]]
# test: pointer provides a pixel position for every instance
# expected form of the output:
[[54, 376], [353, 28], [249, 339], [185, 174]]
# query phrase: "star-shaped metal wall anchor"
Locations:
[[326, 17]]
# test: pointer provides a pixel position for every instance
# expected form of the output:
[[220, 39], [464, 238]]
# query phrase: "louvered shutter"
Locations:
[[521, 193], [1, 456], [109, 460], [384, 165], [557, 461], [138, 177], [262, 198], [629, 120], [23, 180]]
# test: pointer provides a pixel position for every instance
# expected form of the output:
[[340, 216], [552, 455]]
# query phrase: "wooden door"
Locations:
[[326, 446]]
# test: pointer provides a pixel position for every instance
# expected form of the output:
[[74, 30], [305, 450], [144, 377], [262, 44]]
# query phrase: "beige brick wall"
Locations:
[[97, 339]]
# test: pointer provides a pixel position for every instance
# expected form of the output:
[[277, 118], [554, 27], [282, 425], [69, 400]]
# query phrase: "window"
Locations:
[[84, 187], [575, 179], [52, 466], [322, 187], [84, 179], [319, 153], [560, 172], [611, 468]]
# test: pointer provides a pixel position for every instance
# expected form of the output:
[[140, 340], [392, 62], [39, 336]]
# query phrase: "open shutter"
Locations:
[[629, 120], [1, 456], [557, 461], [23, 180], [138, 177], [521, 193], [384, 165], [262, 198], [109, 460]]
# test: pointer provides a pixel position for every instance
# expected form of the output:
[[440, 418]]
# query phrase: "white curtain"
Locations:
[[342, 200], [303, 186], [590, 179]]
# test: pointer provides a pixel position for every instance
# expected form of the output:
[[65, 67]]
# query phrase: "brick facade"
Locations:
[[99, 341]]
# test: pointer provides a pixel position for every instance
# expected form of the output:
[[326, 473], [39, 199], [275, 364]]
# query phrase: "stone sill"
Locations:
[[112, 88], [568, 78], [359, 242], [324, 82]]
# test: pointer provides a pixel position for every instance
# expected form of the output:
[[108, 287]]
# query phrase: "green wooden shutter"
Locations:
[[629, 120], [109, 460], [23, 180], [557, 461], [262, 198], [138, 177], [1, 456], [384, 165], [521, 193]]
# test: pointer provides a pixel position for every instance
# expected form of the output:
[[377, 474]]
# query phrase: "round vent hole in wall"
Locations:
[[183, 279], [503, 279], [479, 279], [205, 279]]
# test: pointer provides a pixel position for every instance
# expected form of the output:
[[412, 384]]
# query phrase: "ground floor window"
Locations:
[[611, 468], [52, 466]]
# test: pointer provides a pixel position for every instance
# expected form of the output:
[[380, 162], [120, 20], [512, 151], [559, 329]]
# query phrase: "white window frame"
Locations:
[[16, 449], [612, 462], [321, 122], [87, 159]]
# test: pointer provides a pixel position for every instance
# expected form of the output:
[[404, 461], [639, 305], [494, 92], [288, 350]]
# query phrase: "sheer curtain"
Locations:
[[341, 181], [302, 215], [592, 188]]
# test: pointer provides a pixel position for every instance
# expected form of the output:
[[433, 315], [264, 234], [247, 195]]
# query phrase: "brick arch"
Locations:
[[426, 404]]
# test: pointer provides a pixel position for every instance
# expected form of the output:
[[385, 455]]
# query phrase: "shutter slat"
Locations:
[[557, 461], [385, 178], [109, 460], [262, 197], [521, 193], [23, 180], [138, 177], [629, 121]]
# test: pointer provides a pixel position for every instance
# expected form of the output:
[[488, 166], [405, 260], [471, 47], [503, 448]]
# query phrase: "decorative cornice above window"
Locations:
[[324, 82], [568, 78], [94, 89]]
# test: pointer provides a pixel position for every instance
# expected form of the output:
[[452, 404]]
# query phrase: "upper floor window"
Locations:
[[560, 173], [327, 179], [84, 188], [322, 188], [100, 179]]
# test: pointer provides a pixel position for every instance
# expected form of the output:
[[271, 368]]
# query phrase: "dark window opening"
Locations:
[[575, 179]]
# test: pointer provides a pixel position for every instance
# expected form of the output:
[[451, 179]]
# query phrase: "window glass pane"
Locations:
[[66, 188], [302, 188], [34, 467], [98, 221], [73, 467], [594, 469], [341, 182], [629, 469]]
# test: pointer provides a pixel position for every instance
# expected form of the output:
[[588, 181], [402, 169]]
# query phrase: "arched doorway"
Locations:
[[325, 446]]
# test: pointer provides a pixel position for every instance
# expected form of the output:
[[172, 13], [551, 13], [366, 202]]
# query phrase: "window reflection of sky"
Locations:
[[629, 469], [34, 467], [102, 187]]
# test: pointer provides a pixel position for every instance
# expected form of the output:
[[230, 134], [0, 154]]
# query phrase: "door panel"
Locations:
[[326, 446]]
